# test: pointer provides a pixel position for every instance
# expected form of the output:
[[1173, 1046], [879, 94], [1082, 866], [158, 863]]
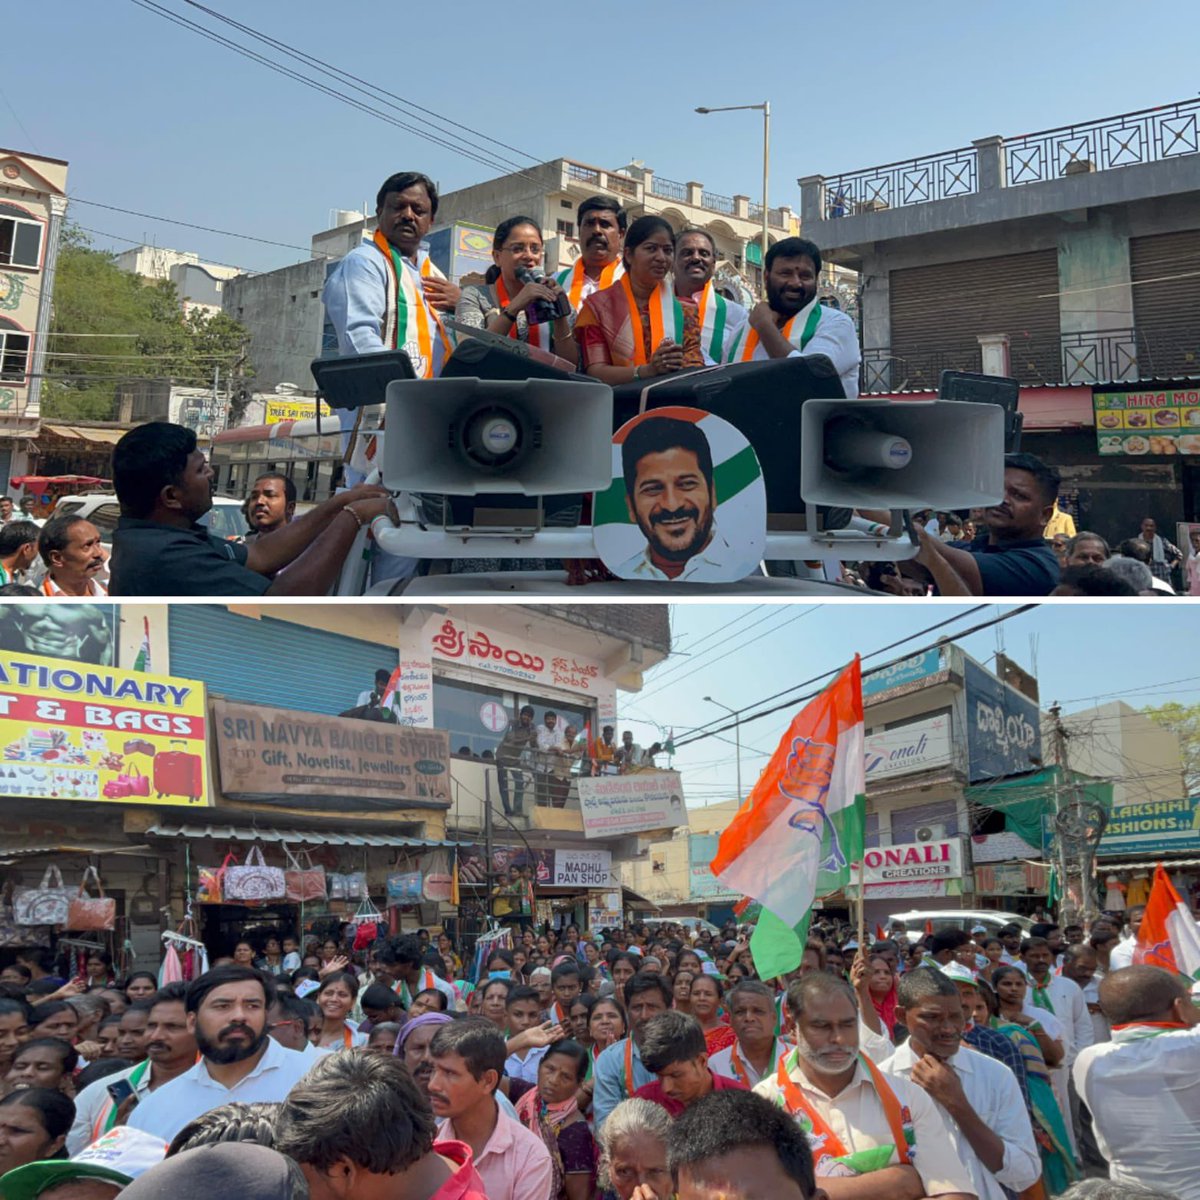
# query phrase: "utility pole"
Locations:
[[487, 843], [1079, 826]]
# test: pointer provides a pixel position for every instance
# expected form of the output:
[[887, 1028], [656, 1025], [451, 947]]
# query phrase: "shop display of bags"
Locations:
[[439, 881], [347, 886], [211, 888], [91, 913], [404, 887], [254, 880], [46, 904], [303, 882], [130, 782]]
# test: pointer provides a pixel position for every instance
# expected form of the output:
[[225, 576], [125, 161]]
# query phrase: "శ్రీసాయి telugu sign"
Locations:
[[618, 804], [73, 731]]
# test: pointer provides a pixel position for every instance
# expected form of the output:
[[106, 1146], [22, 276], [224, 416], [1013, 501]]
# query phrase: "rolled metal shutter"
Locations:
[[939, 311], [1165, 269]]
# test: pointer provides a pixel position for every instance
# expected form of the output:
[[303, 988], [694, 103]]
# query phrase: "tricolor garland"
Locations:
[[407, 317], [743, 350], [666, 318], [571, 279]]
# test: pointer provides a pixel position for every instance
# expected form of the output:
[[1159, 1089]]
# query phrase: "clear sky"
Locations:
[[157, 119], [1082, 654]]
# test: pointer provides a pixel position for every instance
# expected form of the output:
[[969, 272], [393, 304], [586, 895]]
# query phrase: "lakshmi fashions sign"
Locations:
[[614, 805], [276, 754]]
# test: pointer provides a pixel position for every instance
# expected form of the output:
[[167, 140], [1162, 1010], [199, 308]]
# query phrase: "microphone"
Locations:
[[531, 275]]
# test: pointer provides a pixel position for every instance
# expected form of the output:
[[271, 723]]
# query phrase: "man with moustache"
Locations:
[[719, 320], [227, 1014], [619, 1071], [272, 504], [170, 1051], [873, 1134], [71, 549], [670, 495], [791, 322], [978, 1098], [757, 1051], [602, 223]]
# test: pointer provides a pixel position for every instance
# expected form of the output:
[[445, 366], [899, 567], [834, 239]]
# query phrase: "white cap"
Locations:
[[958, 973]]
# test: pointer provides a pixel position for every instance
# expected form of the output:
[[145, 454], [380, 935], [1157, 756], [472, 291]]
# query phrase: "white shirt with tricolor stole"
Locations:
[[721, 321], [733, 1063], [579, 285], [815, 329]]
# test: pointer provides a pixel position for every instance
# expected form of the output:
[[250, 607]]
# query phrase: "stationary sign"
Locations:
[[1160, 421], [73, 731], [897, 674], [919, 746], [618, 804], [276, 754], [582, 868], [1004, 735]]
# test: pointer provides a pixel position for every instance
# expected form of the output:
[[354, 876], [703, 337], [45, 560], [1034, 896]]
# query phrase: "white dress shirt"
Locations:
[[525, 1068], [1143, 1091], [167, 1110], [90, 1103], [721, 1063], [993, 1092], [1122, 954], [1070, 1008], [718, 562]]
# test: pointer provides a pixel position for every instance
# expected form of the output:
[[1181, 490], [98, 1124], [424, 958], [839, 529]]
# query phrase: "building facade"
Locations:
[[199, 285]]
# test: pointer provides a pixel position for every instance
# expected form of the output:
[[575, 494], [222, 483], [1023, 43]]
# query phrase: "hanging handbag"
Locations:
[[46, 904], [337, 885], [438, 882], [404, 887], [254, 880], [356, 885], [303, 883], [91, 913], [211, 889]]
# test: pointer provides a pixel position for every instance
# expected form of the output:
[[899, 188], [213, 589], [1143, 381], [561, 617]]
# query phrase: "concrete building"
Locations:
[[33, 202], [1068, 258], [198, 284]]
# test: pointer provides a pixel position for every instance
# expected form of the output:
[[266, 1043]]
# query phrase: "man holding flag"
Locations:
[[384, 695]]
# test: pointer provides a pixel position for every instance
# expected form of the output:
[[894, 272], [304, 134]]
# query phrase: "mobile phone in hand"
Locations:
[[120, 1091]]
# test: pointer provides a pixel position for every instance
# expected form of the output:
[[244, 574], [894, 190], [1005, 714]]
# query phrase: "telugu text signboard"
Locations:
[[277, 754], [1004, 734], [72, 731], [618, 804], [703, 884], [906, 670], [1159, 421], [582, 868], [919, 746]]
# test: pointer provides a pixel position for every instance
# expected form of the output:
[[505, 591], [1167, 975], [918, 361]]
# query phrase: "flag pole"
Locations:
[[862, 920]]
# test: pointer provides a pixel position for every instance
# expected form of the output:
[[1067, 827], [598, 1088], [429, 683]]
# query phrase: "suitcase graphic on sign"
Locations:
[[177, 773]]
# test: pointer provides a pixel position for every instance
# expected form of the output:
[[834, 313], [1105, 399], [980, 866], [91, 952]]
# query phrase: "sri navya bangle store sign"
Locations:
[[308, 759], [72, 731]]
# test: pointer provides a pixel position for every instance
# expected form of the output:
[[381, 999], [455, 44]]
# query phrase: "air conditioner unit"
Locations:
[[931, 833]]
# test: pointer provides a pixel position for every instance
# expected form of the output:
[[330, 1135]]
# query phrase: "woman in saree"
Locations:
[[551, 1111]]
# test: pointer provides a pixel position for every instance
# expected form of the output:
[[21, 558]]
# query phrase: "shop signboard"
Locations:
[[919, 746], [275, 754], [1004, 735], [1002, 879], [905, 670], [72, 731], [613, 805], [582, 868], [1159, 421], [911, 862], [703, 884], [1138, 830], [295, 409]]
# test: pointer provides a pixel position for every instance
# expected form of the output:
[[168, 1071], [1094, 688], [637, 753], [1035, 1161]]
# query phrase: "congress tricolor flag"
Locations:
[[802, 826], [1168, 936]]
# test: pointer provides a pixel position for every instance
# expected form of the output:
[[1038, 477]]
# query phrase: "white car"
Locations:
[[958, 918], [688, 924], [224, 519]]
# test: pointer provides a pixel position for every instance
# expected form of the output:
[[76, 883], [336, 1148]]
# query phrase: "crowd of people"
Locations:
[[636, 1064]]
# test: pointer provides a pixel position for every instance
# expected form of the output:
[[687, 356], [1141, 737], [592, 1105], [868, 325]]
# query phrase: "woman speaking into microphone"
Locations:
[[517, 300]]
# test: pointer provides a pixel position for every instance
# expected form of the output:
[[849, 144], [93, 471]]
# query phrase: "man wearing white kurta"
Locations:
[[720, 320], [792, 322], [978, 1097]]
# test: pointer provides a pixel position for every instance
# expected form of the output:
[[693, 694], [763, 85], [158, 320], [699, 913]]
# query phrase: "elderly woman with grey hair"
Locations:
[[633, 1152]]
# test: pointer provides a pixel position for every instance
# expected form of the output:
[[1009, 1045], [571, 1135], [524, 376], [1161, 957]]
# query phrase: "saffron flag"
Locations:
[[1168, 936], [389, 692], [802, 825]]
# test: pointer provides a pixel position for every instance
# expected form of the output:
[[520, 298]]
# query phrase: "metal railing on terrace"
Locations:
[[717, 202], [1149, 135], [668, 189], [774, 216]]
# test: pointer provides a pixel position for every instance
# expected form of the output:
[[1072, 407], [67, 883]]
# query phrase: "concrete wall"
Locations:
[[283, 312]]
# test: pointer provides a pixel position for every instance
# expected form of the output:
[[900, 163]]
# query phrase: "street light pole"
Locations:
[[765, 108], [737, 739]]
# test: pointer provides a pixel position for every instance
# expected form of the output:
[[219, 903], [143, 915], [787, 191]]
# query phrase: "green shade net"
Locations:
[[1025, 800]]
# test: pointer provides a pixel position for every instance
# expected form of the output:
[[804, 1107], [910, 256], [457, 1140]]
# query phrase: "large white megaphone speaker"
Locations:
[[467, 436], [906, 454]]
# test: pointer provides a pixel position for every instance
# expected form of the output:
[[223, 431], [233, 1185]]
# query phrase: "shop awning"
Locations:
[[1146, 864], [637, 897], [109, 437], [307, 837], [14, 854]]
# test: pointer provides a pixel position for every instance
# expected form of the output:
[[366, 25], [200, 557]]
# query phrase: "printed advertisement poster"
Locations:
[[276, 754], [72, 731], [83, 632], [1154, 422], [617, 804], [604, 910]]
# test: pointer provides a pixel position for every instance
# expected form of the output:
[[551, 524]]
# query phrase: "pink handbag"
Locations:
[[130, 782], [96, 913], [303, 883]]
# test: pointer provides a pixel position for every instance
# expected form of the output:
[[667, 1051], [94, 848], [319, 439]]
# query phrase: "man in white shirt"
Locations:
[[291, 1021], [374, 696], [757, 1051], [524, 1011], [978, 1097], [1122, 956], [1058, 995], [872, 1133], [227, 1013], [170, 1051], [1143, 1087]]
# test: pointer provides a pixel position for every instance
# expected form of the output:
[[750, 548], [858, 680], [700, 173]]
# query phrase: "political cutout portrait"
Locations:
[[687, 501]]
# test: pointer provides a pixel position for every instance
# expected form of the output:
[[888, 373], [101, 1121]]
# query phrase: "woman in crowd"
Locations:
[[446, 949], [272, 956], [55, 1018], [500, 303], [335, 999], [493, 1004], [551, 1110], [993, 951], [577, 1018], [244, 953], [622, 967], [428, 1000], [689, 960], [882, 985], [141, 985], [44, 1063], [34, 1124], [682, 988], [637, 329], [15, 1016], [705, 1000], [99, 969], [1003, 1013], [328, 953], [500, 962], [633, 1152]]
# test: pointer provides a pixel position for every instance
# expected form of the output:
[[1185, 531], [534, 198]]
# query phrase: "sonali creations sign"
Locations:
[[914, 862], [276, 754], [918, 746], [1154, 422], [614, 805]]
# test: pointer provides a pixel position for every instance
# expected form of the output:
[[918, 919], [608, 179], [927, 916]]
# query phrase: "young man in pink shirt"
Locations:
[[673, 1047]]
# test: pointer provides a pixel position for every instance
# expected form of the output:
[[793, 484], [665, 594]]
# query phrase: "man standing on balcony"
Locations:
[[719, 320], [602, 224], [791, 322]]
